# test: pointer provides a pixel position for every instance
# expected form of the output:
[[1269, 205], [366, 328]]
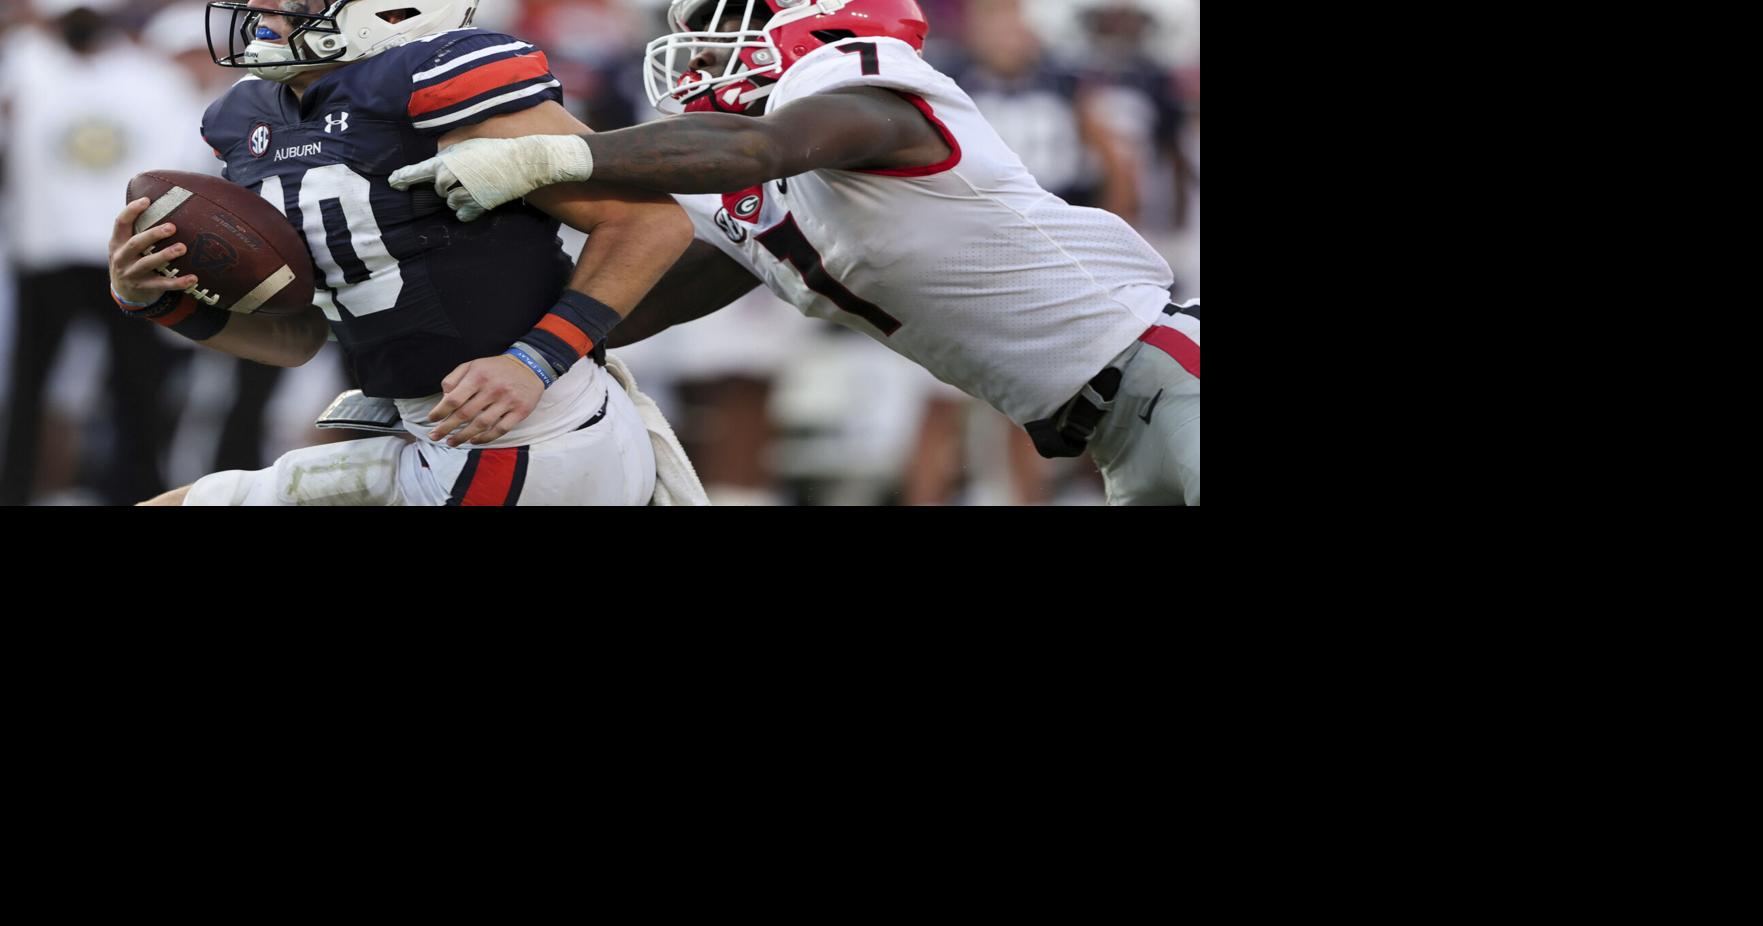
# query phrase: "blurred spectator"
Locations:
[[589, 44], [948, 29], [1139, 100], [1040, 109], [1141, 61], [719, 373], [76, 133]]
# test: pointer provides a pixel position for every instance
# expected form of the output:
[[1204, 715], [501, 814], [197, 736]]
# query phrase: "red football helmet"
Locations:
[[769, 37]]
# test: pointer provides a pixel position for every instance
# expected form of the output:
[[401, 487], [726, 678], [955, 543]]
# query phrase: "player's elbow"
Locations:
[[304, 338], [297, 357], [659, 227]]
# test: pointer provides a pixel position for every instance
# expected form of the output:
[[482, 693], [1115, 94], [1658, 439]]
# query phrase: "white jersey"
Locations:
[[966, 267]]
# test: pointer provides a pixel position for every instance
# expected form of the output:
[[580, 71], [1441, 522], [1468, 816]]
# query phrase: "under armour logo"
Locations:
[[338, 121]]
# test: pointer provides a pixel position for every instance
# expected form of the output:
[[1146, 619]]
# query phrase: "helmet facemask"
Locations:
[[763, 39], [346, 30], [742, 83], [313, 40]]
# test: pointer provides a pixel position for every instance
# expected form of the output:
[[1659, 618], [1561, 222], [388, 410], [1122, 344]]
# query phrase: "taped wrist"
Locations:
[[520, 166]]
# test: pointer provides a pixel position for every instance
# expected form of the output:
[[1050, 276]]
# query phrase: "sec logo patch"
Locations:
[[259, 140]]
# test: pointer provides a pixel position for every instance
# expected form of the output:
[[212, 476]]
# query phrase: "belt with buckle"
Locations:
[[1067, 433]]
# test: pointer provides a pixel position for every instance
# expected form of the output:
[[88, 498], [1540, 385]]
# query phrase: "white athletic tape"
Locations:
[[161, 207], [264, 292]]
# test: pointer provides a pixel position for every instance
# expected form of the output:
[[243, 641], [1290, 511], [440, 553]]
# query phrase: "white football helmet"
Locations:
[[764, 39], [342, 31]]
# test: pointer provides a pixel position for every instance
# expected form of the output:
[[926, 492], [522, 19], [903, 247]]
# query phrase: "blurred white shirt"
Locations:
[[80, 127]]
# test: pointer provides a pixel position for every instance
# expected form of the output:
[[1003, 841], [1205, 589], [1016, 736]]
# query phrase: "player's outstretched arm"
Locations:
[[862, 127], [634, 236], [141, 290]]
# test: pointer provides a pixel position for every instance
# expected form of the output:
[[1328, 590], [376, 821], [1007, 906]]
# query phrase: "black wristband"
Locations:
[[184, 314], [573, 329]]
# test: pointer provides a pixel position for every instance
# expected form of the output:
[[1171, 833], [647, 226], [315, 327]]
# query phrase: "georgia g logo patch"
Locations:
[[745, 204], [259, 140]]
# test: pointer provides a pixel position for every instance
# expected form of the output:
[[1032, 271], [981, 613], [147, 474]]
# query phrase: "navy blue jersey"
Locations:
[[1035, 112], [1150, 90], [411, 292]]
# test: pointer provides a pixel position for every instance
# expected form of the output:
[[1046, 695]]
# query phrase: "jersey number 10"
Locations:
[[337, 220]]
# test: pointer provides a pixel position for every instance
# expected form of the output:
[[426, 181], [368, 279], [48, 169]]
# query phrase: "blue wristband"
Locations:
[[537, 368]]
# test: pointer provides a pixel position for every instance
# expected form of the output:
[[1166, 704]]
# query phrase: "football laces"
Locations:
[[171, 273]]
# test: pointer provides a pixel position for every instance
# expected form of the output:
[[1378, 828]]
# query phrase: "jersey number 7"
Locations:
[[786, 243]]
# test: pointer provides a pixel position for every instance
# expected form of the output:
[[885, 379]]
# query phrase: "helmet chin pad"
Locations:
[[739, 98], [271, 61], [744, 98]]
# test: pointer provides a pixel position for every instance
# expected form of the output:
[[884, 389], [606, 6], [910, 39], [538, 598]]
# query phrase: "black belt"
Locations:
[[601, 413], [1067, 433]]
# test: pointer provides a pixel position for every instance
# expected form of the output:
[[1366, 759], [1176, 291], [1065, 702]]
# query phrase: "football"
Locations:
[[246, 256]]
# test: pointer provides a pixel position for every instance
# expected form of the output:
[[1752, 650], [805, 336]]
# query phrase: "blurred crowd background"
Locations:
[[1100, 98]]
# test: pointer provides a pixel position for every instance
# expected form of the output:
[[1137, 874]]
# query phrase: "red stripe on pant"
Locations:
[[492, 479], [1175, 344]]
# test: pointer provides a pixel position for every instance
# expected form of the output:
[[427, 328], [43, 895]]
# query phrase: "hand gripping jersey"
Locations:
[[967, 267], [410, 291]]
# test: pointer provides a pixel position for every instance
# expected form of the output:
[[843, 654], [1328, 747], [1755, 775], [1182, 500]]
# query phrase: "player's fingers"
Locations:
[[145, 266], [450, 399], [445, 180], [449, 404], [461, 200], [475, 431], [159, 283], [457, 407], [125, 220], [456, 377], [500, 430], [466, 414], [406, 177], [139, 244]]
